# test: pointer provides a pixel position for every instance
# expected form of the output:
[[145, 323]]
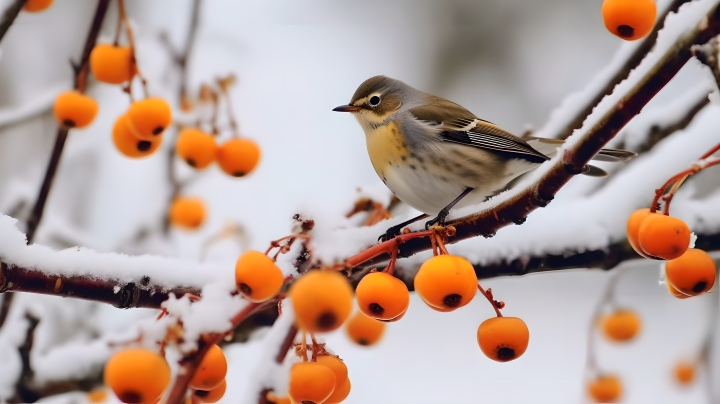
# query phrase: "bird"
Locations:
[[435, 155]]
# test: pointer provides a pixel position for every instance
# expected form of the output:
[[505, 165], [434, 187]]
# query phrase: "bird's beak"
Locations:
[[347, 108]]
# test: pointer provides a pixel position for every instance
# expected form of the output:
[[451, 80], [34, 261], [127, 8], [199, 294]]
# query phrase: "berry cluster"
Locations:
[[236, 157], [141, 376]]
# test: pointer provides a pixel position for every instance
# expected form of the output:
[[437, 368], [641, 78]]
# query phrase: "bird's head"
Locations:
[[376, 99]]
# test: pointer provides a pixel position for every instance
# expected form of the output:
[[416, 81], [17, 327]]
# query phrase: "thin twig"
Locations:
[[131, 41], [80, 82], [9, 16]]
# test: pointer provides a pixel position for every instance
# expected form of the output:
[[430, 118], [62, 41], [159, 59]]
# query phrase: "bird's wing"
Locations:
[[458, 125]]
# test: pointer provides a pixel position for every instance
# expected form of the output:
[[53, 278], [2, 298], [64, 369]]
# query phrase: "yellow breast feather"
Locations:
[[387, 147]]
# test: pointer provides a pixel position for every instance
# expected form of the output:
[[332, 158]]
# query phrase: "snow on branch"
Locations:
[[117, 279], [575, 108]]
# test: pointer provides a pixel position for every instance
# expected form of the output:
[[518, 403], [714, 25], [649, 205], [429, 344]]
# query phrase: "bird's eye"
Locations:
[[375, 101]]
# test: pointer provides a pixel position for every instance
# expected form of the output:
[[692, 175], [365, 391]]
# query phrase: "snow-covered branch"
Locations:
[[576, 107]]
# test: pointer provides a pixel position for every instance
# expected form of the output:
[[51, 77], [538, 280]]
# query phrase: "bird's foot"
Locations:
[[439, 220], [391, 233]]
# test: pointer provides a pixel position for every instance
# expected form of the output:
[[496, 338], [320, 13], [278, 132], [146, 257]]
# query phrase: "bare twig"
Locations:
[[23, 394], [9, 16], [81, 72]]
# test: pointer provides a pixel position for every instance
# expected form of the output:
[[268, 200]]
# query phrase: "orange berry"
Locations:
[[664, 236], [98, 395], [692, 274], [605, 389], [446, 282], [436, 308], [257, 276], [684, 373], [322, 300], [212, 370], [187, 213], [196, 147], [238, 157], [364, 330], [621, 326], [212, 396], [33, 6], [382, 296], [311, 381], [629, 19], [111, 64], [674, 292], [148, 118], [336, 365], [342, 390], [130, 146], [74, 110], [503, 339], [137, 375], [633, 228]]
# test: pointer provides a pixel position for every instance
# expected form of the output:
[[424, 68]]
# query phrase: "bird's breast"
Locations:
[[387, 147]]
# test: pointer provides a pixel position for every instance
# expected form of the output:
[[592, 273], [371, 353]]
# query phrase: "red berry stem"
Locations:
[[488, 295], [679, 178]]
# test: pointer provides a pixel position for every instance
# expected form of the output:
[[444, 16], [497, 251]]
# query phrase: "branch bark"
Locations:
[[515, 209], [9, 16], [123, 295]]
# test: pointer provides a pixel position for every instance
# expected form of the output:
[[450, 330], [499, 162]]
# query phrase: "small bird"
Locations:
[[434, 154]]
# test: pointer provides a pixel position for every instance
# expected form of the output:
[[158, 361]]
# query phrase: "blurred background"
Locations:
[[509, 61]]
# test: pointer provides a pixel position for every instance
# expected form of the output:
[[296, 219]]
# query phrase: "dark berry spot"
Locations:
[[505, 354], [158, 130], [144, 145], [239, 174], [376, 308], [363, 342], [326, 321], [699, 287], [246, 289], [69, 123], [452, 300], [625, 31], [191, 162], [130, 397], [201, 393]]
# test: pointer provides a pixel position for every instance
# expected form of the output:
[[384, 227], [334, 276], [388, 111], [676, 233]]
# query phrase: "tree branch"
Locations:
[[121, 294], [9, 16], [630, 64], [571, 159]]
